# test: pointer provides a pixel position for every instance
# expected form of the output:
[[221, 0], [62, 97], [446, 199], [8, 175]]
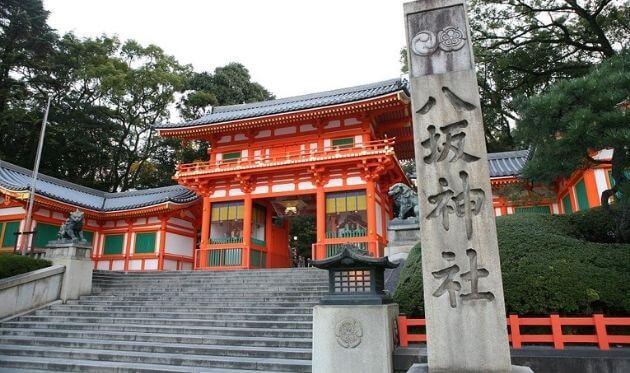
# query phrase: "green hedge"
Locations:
[[547, 268], [12, 265]]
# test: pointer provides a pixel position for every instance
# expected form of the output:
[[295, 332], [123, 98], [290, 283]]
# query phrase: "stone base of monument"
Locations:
[[76, 256], [354, 338], [424, 368], [402, 236]]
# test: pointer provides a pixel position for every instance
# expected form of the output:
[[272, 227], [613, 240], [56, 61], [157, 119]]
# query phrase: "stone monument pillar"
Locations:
[[463, 291]]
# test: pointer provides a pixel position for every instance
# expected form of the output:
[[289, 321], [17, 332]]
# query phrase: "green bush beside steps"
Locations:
[[550, 264], [12, 265]]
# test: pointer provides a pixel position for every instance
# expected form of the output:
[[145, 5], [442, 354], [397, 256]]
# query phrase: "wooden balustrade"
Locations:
[[558, 338]]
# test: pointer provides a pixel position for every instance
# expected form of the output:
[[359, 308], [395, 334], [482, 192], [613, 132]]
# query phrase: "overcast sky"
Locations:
[[290, 47]]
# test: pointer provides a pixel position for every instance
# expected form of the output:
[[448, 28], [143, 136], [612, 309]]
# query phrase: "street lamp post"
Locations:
[[31, 199]]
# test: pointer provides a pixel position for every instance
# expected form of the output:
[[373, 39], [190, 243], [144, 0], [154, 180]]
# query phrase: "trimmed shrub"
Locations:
[[12, 265], [546, 269]]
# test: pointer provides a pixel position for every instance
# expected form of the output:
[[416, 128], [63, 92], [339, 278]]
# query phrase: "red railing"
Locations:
[[287, 157], [602, 338]]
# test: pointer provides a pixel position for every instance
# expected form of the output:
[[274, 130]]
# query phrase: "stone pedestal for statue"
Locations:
[[351, 338], [76, 256], [402, 236]]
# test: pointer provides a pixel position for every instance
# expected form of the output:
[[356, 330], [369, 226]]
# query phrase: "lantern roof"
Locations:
[[348, 258]]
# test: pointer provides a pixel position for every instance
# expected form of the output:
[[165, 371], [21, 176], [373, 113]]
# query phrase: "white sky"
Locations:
[[290, 47]]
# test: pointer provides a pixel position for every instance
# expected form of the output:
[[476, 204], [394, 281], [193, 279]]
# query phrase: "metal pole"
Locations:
[[31, 199]]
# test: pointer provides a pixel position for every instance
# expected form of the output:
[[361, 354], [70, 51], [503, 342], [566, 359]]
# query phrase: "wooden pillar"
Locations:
[[247, 229], [370, 192], [320, 197], [205, 234], [162, 247], [592, 194], [272, 256], [128, 244]]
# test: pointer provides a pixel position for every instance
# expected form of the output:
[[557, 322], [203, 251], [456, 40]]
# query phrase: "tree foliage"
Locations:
[[522, 47], [576, 118], [106, 95], [548, 266]]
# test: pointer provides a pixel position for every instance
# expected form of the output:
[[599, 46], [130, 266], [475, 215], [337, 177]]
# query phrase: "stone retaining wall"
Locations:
[[30, 290]]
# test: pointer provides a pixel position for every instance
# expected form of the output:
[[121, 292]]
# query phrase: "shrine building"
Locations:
[[331, 155]]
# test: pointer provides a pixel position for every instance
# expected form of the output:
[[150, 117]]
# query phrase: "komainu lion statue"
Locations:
[[72, 228], [405, 201]]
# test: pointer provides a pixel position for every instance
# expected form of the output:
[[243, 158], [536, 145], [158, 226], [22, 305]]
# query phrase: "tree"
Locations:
[[303, 227], [524, 46], [228, 85], [576, 118]]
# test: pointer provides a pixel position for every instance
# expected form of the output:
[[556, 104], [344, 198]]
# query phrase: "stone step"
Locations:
[[21, 364], [268, 303], [256, 298], [272, 364], [210, 285], [168, 329], [65, 311], [162, 338], [210, 308], [151, 319], [157, 347]]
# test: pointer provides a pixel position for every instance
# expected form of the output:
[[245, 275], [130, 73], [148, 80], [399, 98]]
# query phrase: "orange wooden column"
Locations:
[[128, 244], [370, 192], [320, 198], [162, 247], [205, 234], [592, 194], [247, 229], [272, 257]]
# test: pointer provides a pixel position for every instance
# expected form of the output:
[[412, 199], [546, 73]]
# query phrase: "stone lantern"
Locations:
[[355, 279]]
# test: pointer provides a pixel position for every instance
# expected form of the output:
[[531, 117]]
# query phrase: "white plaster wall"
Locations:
[[285, 131], [140, 221], [118, 265], [153, 219], [121, 223], [240, 137], [334, 182], [555, 208], [510, 210], [181, 222], [109, 224], [358, 139], [187, 266], [179, 245], [135, 265], [150, 264], [497, 211], [170, 265], [600, 180], [307, 128], [355, 180], [58, 215], [42, 212], [333, 124], [224, 139], [12, 211], [261, 189], [304, 185], [236, 192], [351, 122], [326, 143], [219, 193], [263, 133], [102, 265], [283, 188]]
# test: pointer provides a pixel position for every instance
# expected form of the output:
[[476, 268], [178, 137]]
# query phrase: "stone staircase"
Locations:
[[231, 321]]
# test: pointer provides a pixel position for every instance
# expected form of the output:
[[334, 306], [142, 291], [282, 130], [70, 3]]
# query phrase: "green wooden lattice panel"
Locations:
[[566, 203], [45, 233], [145, 243], [113, 244], [582, 198], [10, 228], [89, 237]]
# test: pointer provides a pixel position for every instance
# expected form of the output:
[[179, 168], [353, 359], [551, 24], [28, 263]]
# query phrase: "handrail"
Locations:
[[602, 338], [366, 148]]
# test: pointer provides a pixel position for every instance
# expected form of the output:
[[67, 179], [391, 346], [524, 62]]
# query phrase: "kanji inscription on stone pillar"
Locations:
[[463, 291]]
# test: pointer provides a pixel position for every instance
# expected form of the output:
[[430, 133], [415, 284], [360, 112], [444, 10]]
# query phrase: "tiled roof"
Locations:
[[16, 178], [504, 164], [507, 163], [339, 96]]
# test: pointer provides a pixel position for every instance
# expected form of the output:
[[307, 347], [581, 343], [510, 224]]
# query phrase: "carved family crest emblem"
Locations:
[[449, 39], [349, 333]]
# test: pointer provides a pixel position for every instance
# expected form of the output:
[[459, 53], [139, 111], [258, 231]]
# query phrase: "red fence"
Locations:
[[602, 338]]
